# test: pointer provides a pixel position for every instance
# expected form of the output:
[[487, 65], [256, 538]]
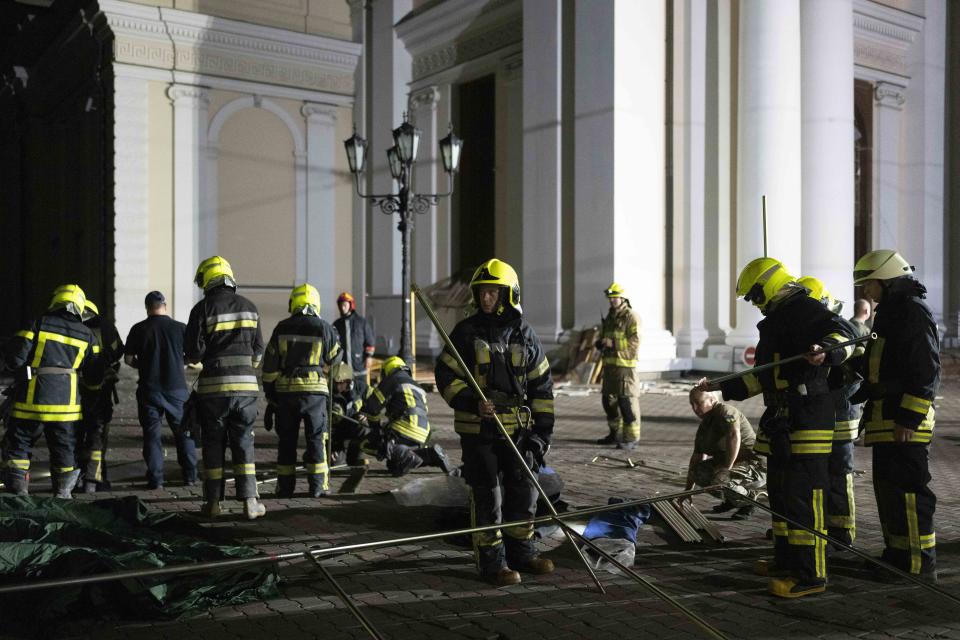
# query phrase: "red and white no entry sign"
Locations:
[[749, 356]]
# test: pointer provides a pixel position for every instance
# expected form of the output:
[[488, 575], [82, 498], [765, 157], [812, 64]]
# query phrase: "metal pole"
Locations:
[[405, 223], [778, 363], [217, 565], [345, 598], [848, 547], [712, 631], [763, 203], [503, 431]]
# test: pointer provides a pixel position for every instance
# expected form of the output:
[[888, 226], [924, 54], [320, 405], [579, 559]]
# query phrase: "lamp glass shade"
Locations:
[[356, 148], [450, 148], [393, 158], [407, 139]]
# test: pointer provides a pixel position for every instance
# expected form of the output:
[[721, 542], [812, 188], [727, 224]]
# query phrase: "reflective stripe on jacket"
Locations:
[[622, 325], [402, 404], [298, 350]]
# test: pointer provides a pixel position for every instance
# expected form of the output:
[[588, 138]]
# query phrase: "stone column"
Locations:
[[887, 125], [189, 137], [319, 232], [619, 168], [131, 207], [542, 205], [826, 41], [689, 173], [768, 143]]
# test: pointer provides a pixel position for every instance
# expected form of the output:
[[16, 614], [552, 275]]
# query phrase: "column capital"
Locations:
[[426, 98], [318, 113], [890, 95], [188, 95]]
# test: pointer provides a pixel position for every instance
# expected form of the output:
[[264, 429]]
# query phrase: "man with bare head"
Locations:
[[723, 452], [861, 316]]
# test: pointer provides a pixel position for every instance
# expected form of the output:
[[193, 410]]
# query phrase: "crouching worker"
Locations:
[[723, 453], [398, 425], [347, 406]]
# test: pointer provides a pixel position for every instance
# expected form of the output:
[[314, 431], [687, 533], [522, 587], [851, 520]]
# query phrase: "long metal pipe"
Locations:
[[346, 599], [217, 565], [779, 363], [849, 547], [503, 430], [712, 631]]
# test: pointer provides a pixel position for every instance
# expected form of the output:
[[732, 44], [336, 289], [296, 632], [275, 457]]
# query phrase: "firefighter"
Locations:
[[347, 407], [901, 370], [47, 359], [223, 333], [296, 387], [505, 356], [723, 453], [841, 502], [97, 401], [399, 426], [356, 340], [619, 342], [796, 429]]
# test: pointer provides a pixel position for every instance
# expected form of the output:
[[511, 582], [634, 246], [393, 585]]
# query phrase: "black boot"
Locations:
[[285, 486], [63, 484], [315, 481], [16, 482]]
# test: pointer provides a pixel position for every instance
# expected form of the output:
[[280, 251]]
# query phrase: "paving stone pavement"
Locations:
[[430, 590]]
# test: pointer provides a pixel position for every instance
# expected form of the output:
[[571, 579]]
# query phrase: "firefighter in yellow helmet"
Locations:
[[395, 426], [841, 501], [299, 350], [506, 357], [796, 429], [901, 371], [47, 360], [619, 343], [223, 333], [97, 400]]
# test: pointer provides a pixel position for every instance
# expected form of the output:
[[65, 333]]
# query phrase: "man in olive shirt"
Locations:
[[723, 452]]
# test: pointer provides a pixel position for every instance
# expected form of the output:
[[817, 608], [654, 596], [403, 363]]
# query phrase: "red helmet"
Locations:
[[346, 297]]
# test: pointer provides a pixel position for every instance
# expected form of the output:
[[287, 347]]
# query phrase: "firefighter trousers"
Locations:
[[92, 443], [906, 504], [228, 421], [797, 487], [22, 435], [499, 490], [311, 410], [620, 396], [841, 507]]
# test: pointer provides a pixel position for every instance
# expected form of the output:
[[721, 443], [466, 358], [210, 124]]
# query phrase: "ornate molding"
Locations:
[[188, 95], [476, 45], [324, 114], [889, 95], [876, 56], [884, 37], [868, 24], [186, 41], [425, 99]]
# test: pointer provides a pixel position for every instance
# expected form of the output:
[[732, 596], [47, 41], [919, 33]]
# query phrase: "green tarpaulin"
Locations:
[[43, 538]]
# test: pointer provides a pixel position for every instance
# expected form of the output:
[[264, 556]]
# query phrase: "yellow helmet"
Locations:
[[69, 297], [499, 273], [391, 364], [90, 310], [615, 291], [342, 372], [819, 292], [760, 281], [304, 299], [882, 264], [213, 272]]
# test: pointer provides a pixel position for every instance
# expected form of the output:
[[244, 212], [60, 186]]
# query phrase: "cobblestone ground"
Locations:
[[430, 590]]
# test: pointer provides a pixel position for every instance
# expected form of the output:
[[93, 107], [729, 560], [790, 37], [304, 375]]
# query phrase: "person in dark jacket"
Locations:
[[356, 341], [47, 359], [796, 429], [97, 402], [901, 371], [296, 387], [223, 333], [347, 412], [505, 355], [155, 349]]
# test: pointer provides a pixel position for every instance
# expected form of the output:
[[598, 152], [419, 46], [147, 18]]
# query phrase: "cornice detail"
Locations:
[[889, 95], [474, 46]]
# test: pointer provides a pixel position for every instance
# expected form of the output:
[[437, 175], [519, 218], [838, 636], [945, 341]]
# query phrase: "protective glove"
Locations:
[[537, 446], [268, 417]]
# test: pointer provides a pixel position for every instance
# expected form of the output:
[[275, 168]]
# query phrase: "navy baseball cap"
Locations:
[[154, 298]]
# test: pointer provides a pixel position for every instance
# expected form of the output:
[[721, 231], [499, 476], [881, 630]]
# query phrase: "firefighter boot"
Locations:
[[213, 494], [355, 455], [17, 482], [433, 456], [285, 486], [317, 483], [794, 588], [536, 566], [503, 578], [253, 508], [63, 483]]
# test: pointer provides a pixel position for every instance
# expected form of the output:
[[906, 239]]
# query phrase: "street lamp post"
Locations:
[[401, 157]]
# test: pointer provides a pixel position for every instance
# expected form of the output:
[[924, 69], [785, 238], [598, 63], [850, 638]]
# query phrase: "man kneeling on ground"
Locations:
[[723, 452]]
